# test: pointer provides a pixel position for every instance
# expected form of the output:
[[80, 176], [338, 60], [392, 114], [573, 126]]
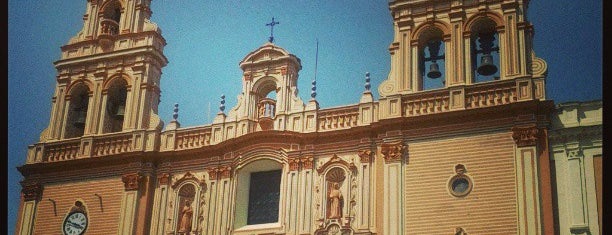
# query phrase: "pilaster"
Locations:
[[160, 204], [31, 193], [393, 154], [129, 203], [528, 187]]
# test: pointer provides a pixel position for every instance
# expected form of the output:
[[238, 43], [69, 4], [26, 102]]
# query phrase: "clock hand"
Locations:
[[75, 225]]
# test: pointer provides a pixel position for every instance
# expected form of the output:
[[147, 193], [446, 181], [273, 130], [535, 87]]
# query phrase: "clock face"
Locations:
[[75, 223]]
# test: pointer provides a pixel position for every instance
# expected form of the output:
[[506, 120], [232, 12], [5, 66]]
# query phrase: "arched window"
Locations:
[[258, 194], [431, 59], [111, 17], [77, 112], [115, 106], [485, 51]]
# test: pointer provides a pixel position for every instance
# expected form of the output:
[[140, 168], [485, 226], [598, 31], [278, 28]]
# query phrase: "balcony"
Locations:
[[266, 111], [108, 30]]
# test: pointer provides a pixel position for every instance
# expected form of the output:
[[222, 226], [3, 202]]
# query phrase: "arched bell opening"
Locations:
[[266, 103], [432, 59], [77, 112], [110, 18], [115, 106], [484, 43]]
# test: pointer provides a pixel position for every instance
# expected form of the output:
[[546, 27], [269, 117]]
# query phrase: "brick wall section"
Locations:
[[490, 208], [101, 220]]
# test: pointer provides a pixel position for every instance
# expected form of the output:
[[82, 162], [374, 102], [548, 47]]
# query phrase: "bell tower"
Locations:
[[454, 44], [108, 75]]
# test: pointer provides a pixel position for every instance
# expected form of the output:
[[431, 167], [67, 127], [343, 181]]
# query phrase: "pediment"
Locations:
[[266, 53]]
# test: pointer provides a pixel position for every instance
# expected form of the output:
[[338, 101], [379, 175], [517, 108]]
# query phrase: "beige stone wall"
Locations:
[[490, 208], [576, 144], [103, 219]]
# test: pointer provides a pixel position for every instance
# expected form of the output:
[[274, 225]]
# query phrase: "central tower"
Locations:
[[269, 89]]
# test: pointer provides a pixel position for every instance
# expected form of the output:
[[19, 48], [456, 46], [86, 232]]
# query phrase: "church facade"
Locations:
[[468, 157]]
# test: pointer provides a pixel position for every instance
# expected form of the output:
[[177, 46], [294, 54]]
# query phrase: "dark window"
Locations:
[[264, 194], [460, 185]]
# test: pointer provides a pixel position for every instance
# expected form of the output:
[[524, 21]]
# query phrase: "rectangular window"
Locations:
[[264, 195]]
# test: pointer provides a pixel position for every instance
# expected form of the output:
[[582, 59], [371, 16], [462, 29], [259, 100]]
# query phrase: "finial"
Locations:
[[367, 82], [313, 93], [222, 105], [175, 114], [271, 24]]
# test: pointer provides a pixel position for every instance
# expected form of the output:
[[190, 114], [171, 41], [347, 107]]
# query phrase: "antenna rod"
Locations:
[[316, 60]]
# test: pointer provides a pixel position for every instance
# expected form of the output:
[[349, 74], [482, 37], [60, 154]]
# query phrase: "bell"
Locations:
[[80, 119], [434, 71], [486, 67], [120, 112]]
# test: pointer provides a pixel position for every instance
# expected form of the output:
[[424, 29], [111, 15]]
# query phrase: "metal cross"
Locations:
[[271, 24]]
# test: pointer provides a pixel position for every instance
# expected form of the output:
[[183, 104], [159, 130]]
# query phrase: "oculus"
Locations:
[[460, 184]]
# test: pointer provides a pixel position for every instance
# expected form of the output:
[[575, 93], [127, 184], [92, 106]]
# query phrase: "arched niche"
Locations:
[[188, 204], [335, 193]]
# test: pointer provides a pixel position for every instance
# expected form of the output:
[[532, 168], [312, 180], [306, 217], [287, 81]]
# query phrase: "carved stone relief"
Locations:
[[525, 136]]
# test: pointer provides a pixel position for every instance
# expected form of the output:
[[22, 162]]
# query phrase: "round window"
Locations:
[[460, 185]]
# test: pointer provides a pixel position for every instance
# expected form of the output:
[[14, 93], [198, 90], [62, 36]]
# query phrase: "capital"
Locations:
[[525, 136], [131, 181]]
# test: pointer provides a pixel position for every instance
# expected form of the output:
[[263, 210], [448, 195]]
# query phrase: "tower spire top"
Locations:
[[271, 24]]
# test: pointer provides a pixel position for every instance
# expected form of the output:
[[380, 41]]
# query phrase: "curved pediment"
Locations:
[[269, 52]]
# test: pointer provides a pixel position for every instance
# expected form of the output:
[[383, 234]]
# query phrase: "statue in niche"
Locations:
[[335, 202], [186, 215]]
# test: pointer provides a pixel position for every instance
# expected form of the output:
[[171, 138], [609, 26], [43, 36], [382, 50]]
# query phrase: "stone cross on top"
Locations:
[[271, 24]]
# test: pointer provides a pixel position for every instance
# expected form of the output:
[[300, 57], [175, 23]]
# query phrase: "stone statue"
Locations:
[[186, 215], [335, 202]]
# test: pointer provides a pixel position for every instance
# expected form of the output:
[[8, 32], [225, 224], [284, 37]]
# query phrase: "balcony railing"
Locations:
[[66, 150], [267, 108], [109, 27], [192, 138], [338, 118], [112, 144], [426, 103], [490, 95]]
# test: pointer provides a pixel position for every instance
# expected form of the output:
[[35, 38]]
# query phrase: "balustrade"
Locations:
[[112, 145], [495, 95], [427, 103], [267, 108], [338, 118], [109, 27], [62, 151], [193, 138]]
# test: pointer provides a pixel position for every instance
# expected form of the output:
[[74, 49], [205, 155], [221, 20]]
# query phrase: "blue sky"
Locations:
[[207, 39]]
